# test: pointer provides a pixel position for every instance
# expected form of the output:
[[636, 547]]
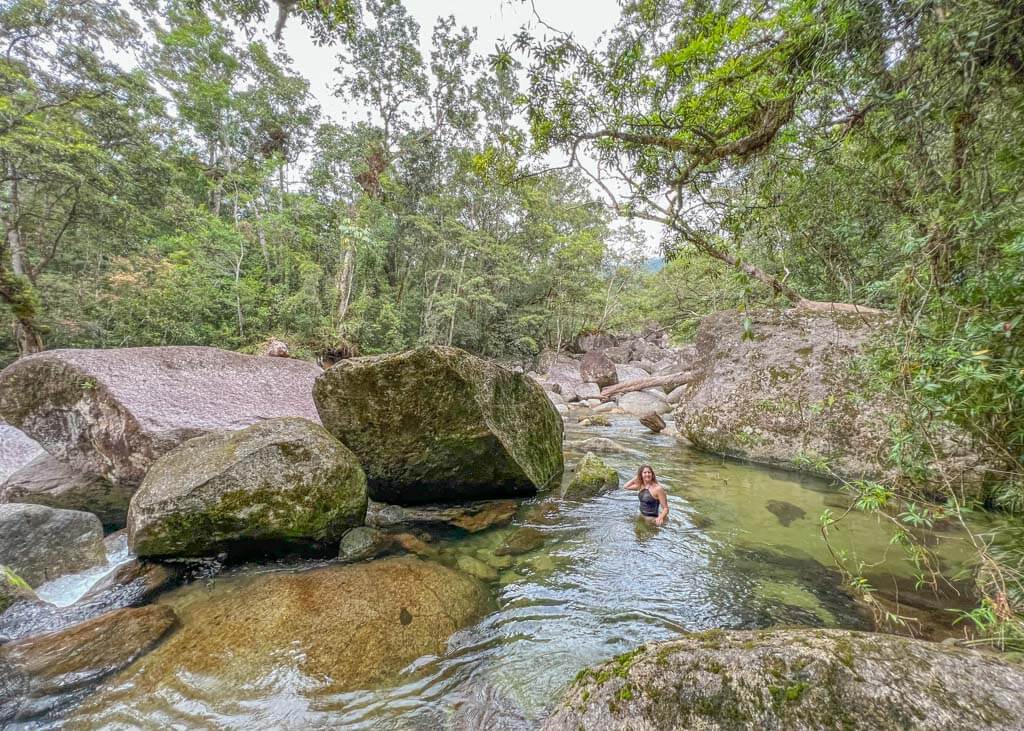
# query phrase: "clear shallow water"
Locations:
[[66, 590], [741, 549]]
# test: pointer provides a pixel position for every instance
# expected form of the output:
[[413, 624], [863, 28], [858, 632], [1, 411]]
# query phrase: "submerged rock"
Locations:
[[113, 413], [472, 517], [520, 541], [48, 481], [41, 675], [790, 396], [339, 628], [362, 543], [438, 424], [591, 477], [785, 512], [16, 450], [40, 543], [282, 480], [795, 679]]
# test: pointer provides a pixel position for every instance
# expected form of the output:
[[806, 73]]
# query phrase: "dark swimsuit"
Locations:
[[649, 504]]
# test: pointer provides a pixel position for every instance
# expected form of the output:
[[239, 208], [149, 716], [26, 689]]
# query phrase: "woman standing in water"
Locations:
[[653, 502]]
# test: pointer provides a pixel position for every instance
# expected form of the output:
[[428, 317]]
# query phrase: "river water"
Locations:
[[742, 549]]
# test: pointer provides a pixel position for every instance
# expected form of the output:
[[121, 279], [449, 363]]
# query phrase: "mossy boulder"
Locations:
[[437, 424], [13, 588], [275, 483], [795, 679], [114, 412], [49, 481], [338, 628], [40, 543], [591, 476]]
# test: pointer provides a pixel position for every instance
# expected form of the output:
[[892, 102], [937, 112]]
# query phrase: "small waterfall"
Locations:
[[68, 589]]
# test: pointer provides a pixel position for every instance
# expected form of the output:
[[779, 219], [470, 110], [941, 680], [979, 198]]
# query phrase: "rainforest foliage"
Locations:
[[168, 178]]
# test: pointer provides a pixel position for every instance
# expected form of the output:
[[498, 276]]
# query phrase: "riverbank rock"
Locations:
[[16, 450], [790, 396], [796, 679], [437, 424], [279, 481], [48, 481], [337, 628], [653, 421], [113, 413], [598, 368], [591, 477], [43, 674], [40, 543]]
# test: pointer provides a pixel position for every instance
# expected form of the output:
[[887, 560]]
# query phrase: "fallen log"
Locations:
[[673, 380]]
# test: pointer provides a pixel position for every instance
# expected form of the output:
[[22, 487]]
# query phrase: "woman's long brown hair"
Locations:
[[640, 474]]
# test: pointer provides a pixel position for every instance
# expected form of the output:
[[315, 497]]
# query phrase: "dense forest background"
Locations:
[[168, 178]]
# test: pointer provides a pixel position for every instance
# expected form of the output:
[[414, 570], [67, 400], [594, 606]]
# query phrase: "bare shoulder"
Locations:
[[658, 489]]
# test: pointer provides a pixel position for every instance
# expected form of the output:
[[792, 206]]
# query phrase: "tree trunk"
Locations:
[[343, 283], [455, 304], [16, 289], [673, 380]]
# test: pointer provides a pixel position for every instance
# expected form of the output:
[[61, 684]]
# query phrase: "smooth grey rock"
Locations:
[[796, 680], [40, 543], [48, 481], [587, 391], [362, 543], [640, 403], [16, 450], [630, 372], [598, 368], [113, 413], [279, 481]]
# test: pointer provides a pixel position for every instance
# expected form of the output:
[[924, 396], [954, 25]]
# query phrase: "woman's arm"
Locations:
[[633, 484], [662, 506]]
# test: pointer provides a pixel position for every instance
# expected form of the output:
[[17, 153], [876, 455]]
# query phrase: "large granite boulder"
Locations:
[[593, 342], [113, 413], [796, 679], [16, 450], [598, 368], [41, 675], [342, 627], [40, 543], [48, 481], [438, 424], [630, 372], [279, 481], [788, 394]]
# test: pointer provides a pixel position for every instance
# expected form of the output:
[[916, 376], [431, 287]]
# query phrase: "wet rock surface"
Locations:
[[114, 412], [520, 541], [40, 543], [437, 424], [42, 675], [13, 589], [282, 480], [343, 627], [795, 679], [470, 516], [48, 481]]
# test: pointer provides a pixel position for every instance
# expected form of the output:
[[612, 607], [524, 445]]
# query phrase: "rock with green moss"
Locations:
[[437, 424], [40, 543], [785, 389], [277, 482], [795, 679], [13, 588], [114, 412], [591, 476]]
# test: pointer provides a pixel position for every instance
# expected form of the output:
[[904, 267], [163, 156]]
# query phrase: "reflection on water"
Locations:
[[742, 549]]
